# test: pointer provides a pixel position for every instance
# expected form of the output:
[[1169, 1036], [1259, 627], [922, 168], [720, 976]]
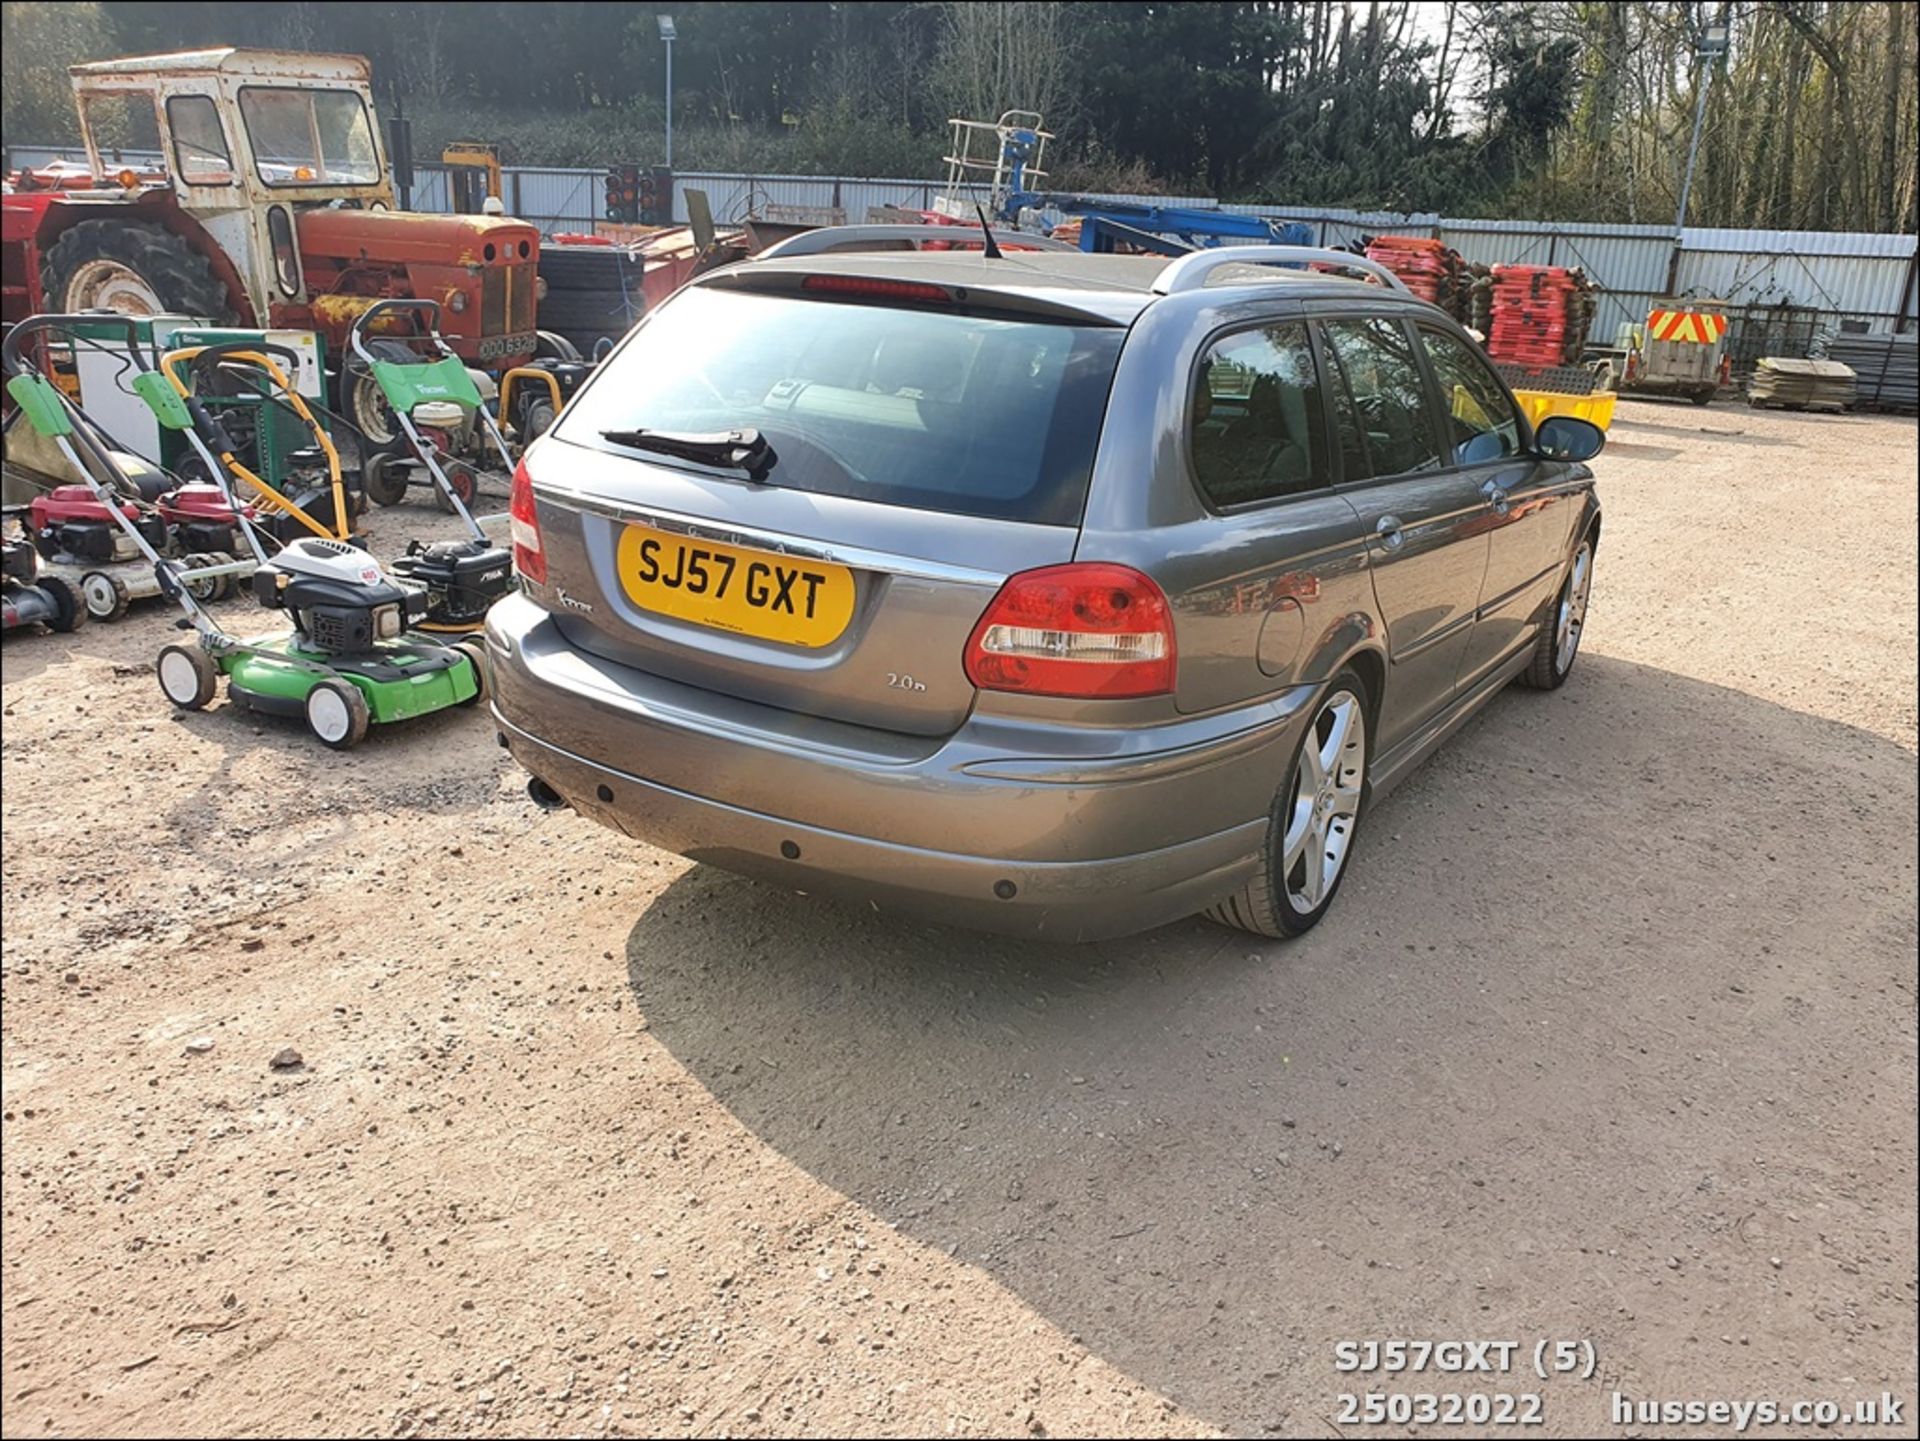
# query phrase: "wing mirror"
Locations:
[[1567, 437]]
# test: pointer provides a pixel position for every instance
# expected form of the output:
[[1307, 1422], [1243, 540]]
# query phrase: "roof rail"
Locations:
[[1190, 272], [833, 237]]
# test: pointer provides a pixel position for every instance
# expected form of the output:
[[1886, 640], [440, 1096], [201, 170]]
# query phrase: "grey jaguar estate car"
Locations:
[[1042, 592]]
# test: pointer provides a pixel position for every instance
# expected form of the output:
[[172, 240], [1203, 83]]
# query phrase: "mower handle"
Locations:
[[356, 334], [10, 348], [214, 354]]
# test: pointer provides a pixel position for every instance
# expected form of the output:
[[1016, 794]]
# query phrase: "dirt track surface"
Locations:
[[1611, 1037]]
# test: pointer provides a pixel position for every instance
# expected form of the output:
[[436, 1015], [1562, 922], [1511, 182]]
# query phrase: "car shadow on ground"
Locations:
[[1600, 1021]]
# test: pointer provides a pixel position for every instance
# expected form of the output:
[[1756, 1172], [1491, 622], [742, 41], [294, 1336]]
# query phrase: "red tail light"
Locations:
[[1090, 630], [528, 559]]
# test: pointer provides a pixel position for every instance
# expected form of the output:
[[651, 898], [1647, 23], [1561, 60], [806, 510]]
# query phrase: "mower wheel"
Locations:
[[207, 589], [475, 650], [384, 478], [188, 677], [107, 596], [337, 714], [462, 481], [69, 610]]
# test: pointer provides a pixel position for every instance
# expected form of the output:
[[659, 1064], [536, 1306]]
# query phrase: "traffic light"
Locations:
[[656, 196], [623, 193]]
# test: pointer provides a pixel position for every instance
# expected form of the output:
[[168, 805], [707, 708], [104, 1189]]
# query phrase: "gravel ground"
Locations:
[[1611, 1038]]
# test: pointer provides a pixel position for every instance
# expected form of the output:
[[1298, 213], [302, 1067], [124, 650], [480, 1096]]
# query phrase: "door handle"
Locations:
[[1388, 529], [1496, 497]]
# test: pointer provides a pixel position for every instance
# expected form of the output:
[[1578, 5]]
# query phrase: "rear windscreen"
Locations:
[[955, 413]]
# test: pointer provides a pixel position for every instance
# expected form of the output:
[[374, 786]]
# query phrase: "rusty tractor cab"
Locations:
[[270, 204]]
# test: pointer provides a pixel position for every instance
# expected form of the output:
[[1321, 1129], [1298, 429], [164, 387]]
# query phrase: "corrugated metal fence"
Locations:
[[1773, 279]]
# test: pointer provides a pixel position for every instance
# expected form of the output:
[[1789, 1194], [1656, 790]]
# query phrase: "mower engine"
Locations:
[[201, 518], [462, 578], [338, 596], [69, 525]]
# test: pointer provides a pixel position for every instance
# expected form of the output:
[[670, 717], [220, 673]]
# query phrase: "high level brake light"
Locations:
[[528, 558], [870, 288], [1089, 630]]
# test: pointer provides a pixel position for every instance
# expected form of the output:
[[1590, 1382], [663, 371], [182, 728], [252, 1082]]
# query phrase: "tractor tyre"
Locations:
[[361, 400], [133, 267]]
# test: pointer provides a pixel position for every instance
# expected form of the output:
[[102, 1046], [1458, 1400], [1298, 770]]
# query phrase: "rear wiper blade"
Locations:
[[746, 450]]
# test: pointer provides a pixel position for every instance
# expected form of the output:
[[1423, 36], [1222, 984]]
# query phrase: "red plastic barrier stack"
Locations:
[[1431, 270], [1531, 308]]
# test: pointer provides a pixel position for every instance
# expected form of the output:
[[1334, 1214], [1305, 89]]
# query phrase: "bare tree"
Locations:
[[998, 55]]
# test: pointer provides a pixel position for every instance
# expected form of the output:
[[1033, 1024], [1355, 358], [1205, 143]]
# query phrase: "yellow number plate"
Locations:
[[790, 599]]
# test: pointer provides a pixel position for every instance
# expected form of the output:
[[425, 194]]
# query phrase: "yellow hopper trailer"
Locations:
[[1562, 390]]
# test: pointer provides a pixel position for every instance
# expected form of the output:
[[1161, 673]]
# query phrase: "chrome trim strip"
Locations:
[[728, 533]]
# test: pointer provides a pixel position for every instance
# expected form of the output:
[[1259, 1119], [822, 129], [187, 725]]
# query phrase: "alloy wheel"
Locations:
[[1325, 804]]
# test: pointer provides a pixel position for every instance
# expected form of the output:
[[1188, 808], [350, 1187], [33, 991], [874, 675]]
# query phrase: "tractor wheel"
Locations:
[[132, 267], [384, 478], [360, 398]]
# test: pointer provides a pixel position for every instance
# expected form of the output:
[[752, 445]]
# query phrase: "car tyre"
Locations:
[[1557, 645], [1314, 820]]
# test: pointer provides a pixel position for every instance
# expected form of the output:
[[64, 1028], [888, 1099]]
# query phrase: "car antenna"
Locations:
[[993, 246]]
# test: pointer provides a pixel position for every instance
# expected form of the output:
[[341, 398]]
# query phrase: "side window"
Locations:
[[199, 146], [1485, 426], [1389, 393], [1257, 424], [1355, 464]]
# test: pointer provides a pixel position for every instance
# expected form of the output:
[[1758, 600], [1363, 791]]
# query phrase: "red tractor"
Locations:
[[271, 206]]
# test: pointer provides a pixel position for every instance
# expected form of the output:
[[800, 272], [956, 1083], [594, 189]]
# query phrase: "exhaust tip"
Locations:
[[545, 796]]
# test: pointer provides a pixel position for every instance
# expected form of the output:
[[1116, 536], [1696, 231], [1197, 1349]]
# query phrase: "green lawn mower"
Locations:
[[432, 401], [352, 659]]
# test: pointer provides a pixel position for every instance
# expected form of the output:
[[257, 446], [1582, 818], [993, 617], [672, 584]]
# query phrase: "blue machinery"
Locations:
[[1011, 170]]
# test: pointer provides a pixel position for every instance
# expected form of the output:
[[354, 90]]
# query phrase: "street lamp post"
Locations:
[[1710, 47], [667, 35]]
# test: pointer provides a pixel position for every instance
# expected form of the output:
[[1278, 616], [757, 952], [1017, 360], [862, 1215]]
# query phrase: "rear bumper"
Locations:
[[1063, 832]]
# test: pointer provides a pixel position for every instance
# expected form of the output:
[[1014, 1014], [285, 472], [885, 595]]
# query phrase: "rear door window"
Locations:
[[1257, 425], [1485, 425], [1389, 394], [965, 414]]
